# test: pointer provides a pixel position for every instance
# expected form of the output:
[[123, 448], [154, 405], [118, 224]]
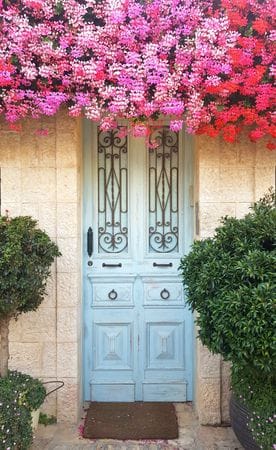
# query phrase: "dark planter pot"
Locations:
[[240, 416]]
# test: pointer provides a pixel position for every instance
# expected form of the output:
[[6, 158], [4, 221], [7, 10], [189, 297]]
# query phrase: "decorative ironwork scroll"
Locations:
[[112, 192], [163, 192]]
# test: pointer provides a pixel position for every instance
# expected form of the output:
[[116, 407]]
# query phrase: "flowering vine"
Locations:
[[208, 63]]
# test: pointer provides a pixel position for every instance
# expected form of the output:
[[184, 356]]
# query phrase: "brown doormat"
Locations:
[[135, 421]]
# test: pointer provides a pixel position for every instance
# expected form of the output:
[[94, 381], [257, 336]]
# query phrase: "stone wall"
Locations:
[[40, 176], [228, 179]]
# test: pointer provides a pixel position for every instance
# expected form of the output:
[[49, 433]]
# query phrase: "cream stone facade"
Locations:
[[42, 177]]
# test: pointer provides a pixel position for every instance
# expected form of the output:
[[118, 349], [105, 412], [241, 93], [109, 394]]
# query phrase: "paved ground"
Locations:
[[192, 436]]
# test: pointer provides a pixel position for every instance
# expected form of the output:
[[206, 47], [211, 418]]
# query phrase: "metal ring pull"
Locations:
[[164, 294], [112, 295]]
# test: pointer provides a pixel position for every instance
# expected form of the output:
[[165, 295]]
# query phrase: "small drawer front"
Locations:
[[163, 294], [112, 295]]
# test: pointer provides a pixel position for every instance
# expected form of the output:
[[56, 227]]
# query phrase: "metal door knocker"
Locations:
[[164, 294], [112, 295]]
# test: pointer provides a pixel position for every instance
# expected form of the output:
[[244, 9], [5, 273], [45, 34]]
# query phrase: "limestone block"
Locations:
[[242, 209], [29, 148], [67, 219], [29, 126], [26, 357], [210, 215], [246, 152], [67, 289], [245, 183], [208, 401], [47, 149], [70, 259], [208, 364], [50, 403], [65, 123], [208, 150], [209, 186], [4, 126], [228, 153], [38, 185], [35, 326], [50, 297], [67, 328], [225, 391], [67, 188], [49, 359], [67, 359], [67, 148], [228, 183], [264, 178], [13, 209], [264, 157], [10, 185], [30, 209], [10, 149], [38, 151], [68, 401], [47, 218]]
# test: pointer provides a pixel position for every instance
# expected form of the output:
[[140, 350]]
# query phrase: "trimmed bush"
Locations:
[[26, 255], [19, 395], [230, 280]]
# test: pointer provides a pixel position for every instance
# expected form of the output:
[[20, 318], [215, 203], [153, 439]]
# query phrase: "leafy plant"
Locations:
[[19, 394], [259, 395], [32, 391], [26, 254], [45, 420], [230, 280]]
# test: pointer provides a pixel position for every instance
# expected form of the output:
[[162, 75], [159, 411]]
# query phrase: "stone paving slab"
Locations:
[[192, 436]]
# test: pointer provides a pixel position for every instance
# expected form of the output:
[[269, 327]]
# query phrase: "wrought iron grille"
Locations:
[[163, 192], [112, 192]]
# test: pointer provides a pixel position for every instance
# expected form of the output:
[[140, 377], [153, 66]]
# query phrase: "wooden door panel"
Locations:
[[164, 345], [137, 328], [113, 355]]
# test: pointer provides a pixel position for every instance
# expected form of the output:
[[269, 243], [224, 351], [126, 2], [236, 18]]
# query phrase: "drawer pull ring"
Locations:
[[165, 294], [112, 295]]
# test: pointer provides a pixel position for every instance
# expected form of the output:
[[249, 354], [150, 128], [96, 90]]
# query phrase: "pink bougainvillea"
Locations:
[[208, 63]]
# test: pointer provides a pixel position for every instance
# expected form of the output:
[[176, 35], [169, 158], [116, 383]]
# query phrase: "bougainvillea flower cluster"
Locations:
[[207, 63]]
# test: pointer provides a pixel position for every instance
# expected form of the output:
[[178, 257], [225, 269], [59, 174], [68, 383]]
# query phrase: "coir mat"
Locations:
[[127, 421]]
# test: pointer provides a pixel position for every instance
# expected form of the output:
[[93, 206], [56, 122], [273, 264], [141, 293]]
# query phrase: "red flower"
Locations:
[[271, 146], [261, 26]]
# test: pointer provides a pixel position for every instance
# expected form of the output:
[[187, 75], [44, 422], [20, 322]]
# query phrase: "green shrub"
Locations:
[[32, 391], [26, 254], [230, 280], [45, 420], [19, 394]]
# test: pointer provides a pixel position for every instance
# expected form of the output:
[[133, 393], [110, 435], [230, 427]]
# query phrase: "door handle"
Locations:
[[162, 265], [111, 265], [89, 242]]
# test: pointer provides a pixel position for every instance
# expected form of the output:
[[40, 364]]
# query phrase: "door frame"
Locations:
[[87, 208]]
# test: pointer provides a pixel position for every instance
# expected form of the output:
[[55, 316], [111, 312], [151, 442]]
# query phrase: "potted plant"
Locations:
[[230, 281], [26, 255]]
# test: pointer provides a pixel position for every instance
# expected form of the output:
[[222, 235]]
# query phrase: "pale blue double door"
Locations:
[[137, 221]]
